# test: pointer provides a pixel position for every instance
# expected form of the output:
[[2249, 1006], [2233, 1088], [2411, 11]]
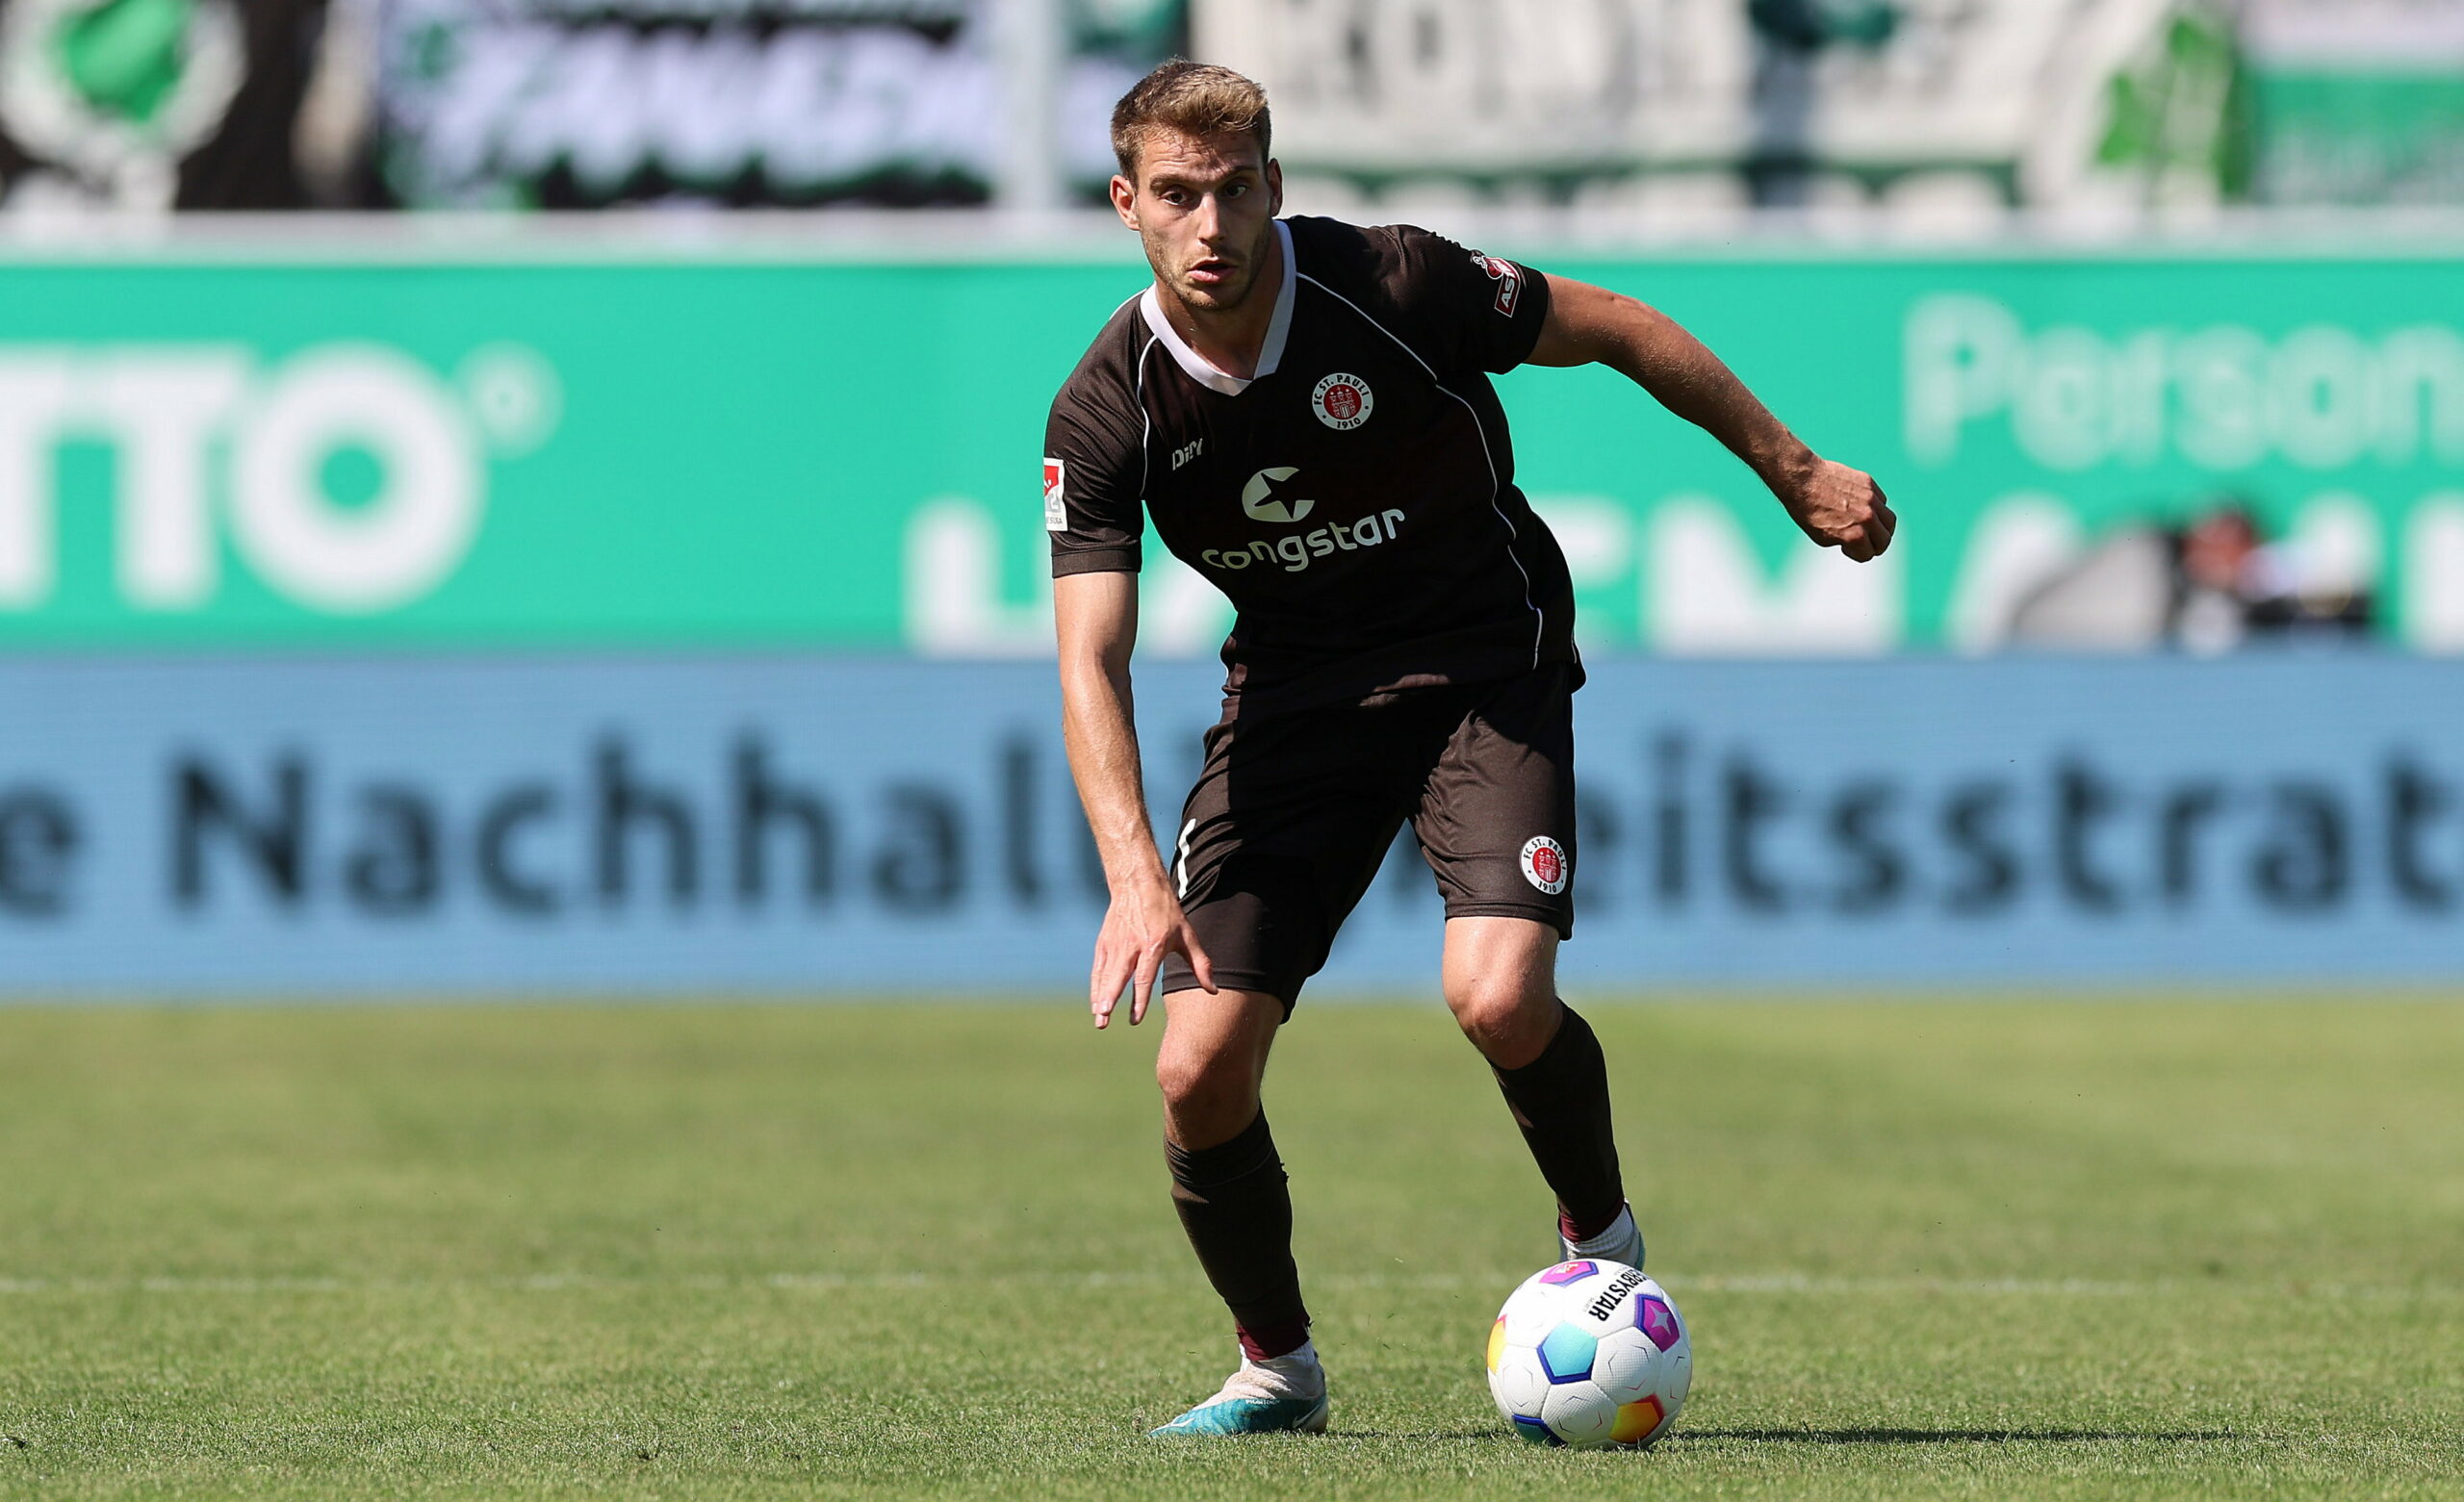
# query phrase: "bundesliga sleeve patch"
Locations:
[[1056, 516], [1509, 279]]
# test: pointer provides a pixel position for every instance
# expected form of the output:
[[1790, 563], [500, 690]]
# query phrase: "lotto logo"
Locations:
[[222, 459]]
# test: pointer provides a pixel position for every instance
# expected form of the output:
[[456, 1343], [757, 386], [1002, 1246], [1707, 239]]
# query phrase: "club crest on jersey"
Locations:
[[1544, 864], [1508, 277], [1342, 401], [1056, 516], [1263, 498]]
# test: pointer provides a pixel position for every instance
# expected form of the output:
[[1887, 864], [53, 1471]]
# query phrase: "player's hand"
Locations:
[[1840, 507], [1140, 928]]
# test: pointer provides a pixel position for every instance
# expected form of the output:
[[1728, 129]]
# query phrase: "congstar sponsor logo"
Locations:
[[348, 477], [1271, 497], [1296, 551], [1274, 494]]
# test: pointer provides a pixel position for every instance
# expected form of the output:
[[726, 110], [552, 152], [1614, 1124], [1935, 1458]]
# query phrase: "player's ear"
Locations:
[[1274, 189], [1126, 200]]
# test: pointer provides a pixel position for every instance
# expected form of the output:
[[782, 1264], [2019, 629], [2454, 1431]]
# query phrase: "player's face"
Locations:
[[1205, 206]]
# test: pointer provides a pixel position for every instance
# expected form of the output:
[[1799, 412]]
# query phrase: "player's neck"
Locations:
[[1235, 339]]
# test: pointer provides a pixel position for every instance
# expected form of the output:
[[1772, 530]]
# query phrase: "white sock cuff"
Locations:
[[1300, 1358], [1620, 1231]]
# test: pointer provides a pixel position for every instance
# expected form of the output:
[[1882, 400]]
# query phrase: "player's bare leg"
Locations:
[[1228, 1186], [1500, 980], [1213, 1063]]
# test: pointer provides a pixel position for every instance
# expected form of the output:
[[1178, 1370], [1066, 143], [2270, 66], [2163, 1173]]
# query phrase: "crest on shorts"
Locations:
[[1545, 864], [1342, 401]]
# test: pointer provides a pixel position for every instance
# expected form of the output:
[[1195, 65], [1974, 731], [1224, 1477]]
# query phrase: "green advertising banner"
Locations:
[[548, 450]]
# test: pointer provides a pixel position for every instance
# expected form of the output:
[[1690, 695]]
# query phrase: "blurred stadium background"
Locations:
[[534, 494], [522, 501]]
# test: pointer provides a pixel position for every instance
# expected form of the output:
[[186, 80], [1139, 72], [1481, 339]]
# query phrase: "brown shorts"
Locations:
[[1293, 814]]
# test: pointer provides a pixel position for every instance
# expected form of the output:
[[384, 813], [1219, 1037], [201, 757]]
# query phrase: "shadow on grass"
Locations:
[[1949, 1436], [1851, 1437], [1686, 1436]]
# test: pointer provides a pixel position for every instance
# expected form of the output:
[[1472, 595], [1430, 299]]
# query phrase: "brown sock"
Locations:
[[1560, 1100], [1237, 1209]]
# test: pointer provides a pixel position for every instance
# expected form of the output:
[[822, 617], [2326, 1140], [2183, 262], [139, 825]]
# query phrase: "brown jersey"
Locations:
[[1355, 498]]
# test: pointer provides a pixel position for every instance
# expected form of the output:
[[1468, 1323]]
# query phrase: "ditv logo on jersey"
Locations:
[[348, 476], [1265, 498]]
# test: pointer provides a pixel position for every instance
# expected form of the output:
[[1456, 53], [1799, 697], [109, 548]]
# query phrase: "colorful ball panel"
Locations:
[[1637, 1421], [1566, 1355], [1534, 1431], [1654, 1317]]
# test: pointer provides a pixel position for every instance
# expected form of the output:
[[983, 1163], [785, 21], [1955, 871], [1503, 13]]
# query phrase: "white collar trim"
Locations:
[[1270, 354]]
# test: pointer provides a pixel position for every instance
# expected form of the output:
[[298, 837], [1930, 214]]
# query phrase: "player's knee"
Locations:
[[1505, 1020], [1179, 1077], [1204, 1086]]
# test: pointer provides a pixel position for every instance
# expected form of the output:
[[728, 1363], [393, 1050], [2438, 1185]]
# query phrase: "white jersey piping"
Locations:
[[1146, 418], [1196, 367]]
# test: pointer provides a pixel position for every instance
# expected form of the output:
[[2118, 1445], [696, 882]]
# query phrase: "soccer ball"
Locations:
[[1590, 1354]]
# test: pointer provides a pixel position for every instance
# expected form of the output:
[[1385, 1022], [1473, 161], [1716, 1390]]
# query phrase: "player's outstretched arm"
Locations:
[[1095, 616], [1836, 506]]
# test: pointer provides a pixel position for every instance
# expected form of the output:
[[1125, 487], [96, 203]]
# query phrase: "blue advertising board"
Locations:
[[406, 827]]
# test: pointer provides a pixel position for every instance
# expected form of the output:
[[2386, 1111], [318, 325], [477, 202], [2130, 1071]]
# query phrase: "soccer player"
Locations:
[[1304, 408]]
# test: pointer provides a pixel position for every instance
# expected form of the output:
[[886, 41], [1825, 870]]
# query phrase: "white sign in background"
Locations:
[[1558, 85]]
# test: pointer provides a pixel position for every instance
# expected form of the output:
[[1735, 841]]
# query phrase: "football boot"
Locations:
[[1284, 1395]]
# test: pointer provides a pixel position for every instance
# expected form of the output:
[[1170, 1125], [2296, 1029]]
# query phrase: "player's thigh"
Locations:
[[1499, 962], [1288, 824], [1497, 819]]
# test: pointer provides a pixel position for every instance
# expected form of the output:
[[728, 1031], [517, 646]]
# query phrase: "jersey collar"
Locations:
[[1270, 355]]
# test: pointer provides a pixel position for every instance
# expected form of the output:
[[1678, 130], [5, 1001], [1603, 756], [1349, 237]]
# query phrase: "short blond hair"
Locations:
[[1194, 98]]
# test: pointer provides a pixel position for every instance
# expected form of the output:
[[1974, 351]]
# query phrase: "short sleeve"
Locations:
[[1094, 477], [1480, 312]]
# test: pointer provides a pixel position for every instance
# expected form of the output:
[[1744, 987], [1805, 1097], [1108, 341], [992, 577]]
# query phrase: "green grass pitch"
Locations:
[[1989, 1250]]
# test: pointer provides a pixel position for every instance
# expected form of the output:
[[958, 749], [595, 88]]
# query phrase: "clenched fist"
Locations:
[[1840, 507]]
